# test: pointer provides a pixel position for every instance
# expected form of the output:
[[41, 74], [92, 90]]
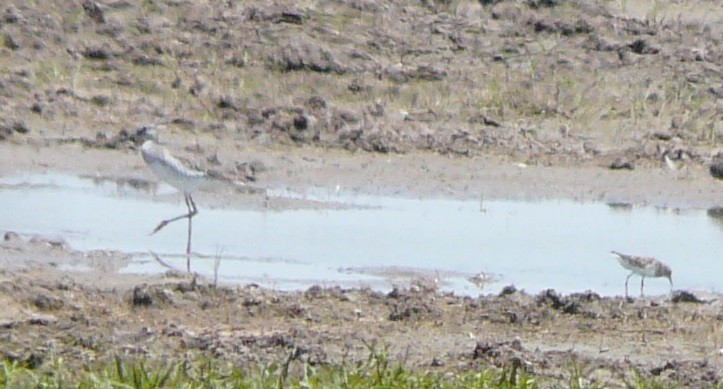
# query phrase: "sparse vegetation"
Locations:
[[376, 372], [551, 63]]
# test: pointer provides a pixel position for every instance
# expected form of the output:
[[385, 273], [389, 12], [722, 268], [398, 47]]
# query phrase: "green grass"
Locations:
[[128, 373], [376, 372]]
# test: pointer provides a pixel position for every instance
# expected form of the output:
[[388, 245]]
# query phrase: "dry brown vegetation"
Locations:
[[549, 80]]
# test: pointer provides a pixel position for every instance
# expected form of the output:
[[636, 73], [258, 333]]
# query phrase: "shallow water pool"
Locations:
[[374, 241]]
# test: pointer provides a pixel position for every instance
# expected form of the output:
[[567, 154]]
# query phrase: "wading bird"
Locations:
[[644, 267], [171, 170]]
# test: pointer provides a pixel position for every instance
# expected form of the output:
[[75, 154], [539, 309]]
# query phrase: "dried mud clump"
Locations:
[[408, 305], [716, 167], [576, 303]]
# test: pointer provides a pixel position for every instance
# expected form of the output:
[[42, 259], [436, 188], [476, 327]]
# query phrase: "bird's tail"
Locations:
[[238, 185]]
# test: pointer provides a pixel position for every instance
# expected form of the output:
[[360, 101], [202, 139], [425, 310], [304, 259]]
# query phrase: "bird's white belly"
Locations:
[[647, 271], [170, 169], [181, 179]]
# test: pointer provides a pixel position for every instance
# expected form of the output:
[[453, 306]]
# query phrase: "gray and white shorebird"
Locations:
[[171, 170], [644, 267], [676, 161]]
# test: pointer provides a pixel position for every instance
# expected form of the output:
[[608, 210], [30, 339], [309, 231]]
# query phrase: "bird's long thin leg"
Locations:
[[642, 283], [188, 239], [191, 212], [626, 284]]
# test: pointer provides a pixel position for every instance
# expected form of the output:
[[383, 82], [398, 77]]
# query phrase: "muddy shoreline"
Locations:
[[59, 315], [408, 175]]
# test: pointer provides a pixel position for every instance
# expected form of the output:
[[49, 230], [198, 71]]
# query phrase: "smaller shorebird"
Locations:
[[644, 267], [676, 162], [482, 279], [174, 172]]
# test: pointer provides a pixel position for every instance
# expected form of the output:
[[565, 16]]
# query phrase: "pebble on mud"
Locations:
[[45, 302], [683, 296], [622, 163], [716, 168], [141, 297], [509, 289]]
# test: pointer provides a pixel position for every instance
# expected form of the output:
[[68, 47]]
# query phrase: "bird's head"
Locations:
[[663, 270], [144, 133]]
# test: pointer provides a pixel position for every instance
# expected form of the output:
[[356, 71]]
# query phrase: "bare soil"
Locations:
[[492, 99], [85, 318]]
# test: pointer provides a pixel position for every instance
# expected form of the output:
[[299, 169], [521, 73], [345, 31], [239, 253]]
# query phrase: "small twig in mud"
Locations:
[[171, 270], [602, 349], [216, 266]]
